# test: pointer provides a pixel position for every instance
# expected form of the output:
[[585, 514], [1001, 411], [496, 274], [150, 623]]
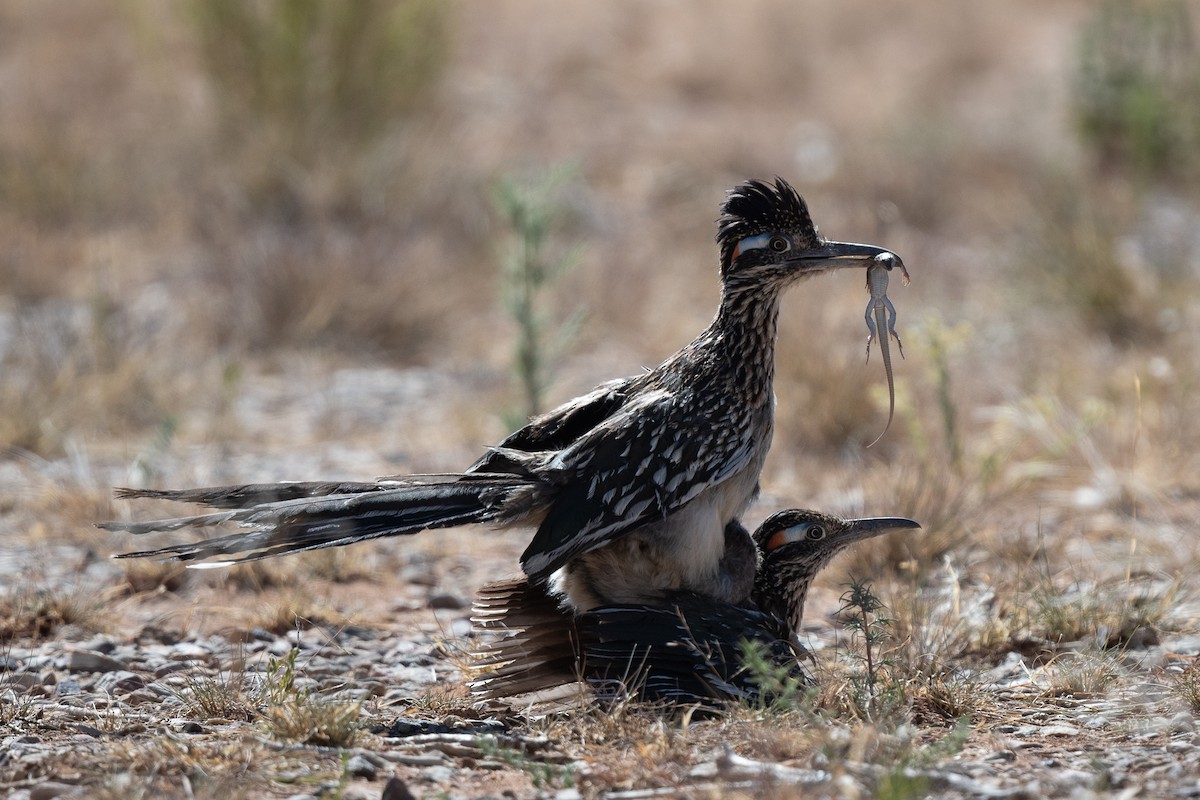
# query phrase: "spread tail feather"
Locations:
[[250, 494], [313, 516], [687, 651]]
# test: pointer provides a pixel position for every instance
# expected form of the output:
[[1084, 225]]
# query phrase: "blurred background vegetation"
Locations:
[[203, 200]]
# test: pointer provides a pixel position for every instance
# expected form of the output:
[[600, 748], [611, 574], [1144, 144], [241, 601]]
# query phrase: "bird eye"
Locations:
[[816, 533], [779, 244]]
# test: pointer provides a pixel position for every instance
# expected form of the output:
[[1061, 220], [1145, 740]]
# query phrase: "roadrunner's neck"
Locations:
[[741, 340]]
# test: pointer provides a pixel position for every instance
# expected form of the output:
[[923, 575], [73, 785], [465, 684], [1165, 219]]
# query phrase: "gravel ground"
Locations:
[[107, 705]]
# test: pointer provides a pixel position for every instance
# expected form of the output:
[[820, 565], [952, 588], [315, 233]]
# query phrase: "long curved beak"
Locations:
[[859, 529], [834, 255]]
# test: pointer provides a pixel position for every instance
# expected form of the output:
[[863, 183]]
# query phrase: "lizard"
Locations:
[[883, 323]]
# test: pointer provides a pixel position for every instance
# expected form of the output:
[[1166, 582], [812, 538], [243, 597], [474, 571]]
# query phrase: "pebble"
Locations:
[[167, 669], [91, 661], [99, 644], [120, 681], [50, 790], [190, 650], [1060, 730], [437, 774], [1181, 722], [23, 679], [186, 726], [107, 693], [446, 600], [396, 789], [360, 767]]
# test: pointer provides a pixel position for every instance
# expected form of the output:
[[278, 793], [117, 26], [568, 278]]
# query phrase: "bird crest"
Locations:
[[756, 207]]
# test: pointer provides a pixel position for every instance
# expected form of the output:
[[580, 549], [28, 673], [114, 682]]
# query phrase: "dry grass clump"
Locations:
[[33, 613], [297, 715], [1187, 685], [317, 721], [639, 746], [139, 576], [232, 693], [178, 765], [335, 564], [1103, 614], [288, 712], [1081, 675]]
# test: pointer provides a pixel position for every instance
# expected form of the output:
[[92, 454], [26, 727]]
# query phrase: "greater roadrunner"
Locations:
[[631, 486], [688, 649]]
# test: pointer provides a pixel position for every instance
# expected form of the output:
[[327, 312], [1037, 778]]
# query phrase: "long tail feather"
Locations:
[[250, 494], [314, 520]]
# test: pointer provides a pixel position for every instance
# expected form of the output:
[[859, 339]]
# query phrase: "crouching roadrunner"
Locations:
[[687, 650], [631, 487]]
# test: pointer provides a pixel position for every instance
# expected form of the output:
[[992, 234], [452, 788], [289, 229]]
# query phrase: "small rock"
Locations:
[[168, 668], [68, 687], [186, 726], [279, 647], [1075, 777], [35, 662], [140, 698], [1181, 722], [437, 774], [1060, 730], [23, 679], [99, 644], [395, 789], [91, 661], [189, 650], [360, 767], [50, 790], [406, 727], [94, 732], [120, 681], [446, 600]]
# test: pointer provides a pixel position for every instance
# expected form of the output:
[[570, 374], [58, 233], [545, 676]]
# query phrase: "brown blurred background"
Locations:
[[279, 239]]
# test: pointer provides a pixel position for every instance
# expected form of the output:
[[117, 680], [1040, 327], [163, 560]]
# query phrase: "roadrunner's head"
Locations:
[[797, 544], [767, 238]]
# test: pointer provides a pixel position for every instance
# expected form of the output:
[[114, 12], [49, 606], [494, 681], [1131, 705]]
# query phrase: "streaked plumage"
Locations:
[[688, 649], [630, 487]]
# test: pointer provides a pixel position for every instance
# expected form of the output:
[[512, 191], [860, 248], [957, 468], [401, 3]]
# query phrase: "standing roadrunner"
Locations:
[[687, 650], [631, 487]]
